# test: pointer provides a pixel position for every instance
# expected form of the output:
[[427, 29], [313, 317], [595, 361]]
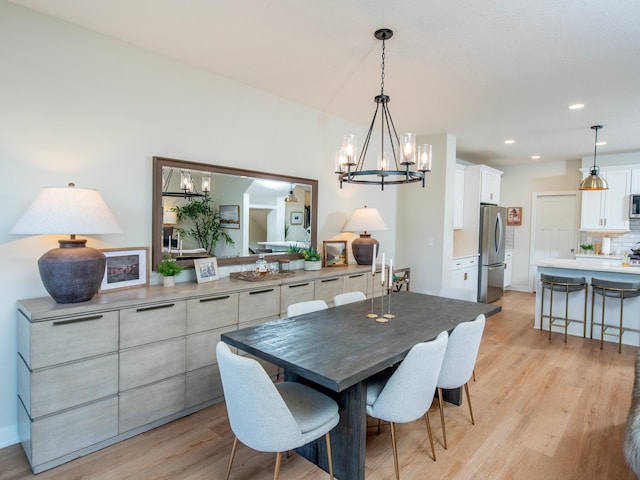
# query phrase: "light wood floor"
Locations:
[[543, 411]]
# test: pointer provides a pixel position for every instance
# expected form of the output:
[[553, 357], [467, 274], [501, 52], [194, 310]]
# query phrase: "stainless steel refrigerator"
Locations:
[[491, 247]]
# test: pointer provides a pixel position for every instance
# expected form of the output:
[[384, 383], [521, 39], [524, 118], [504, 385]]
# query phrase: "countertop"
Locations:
[[590, 265]]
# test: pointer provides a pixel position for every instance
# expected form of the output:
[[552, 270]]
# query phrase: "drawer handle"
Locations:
[[329, 280], [261, 291], [155, 307], [356, 276], [77, 320], [299, 285], [213, 299]]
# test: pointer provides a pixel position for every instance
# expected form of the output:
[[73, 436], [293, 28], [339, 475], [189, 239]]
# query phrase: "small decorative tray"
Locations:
[[251, 277]]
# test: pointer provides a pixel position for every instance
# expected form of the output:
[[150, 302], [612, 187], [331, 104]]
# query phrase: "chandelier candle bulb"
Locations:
[[424, 157]]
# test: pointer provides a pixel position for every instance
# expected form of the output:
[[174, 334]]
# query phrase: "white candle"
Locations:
[[390, 272], [382, 279], [373, 260], [170, 241]]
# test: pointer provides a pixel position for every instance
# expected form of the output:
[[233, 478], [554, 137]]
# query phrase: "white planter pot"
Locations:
[[168, 281], [312, 265]]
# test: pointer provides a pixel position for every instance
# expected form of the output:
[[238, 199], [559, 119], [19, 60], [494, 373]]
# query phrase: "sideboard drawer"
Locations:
[[67, 339], [147, 404], [201, 347], [327, 288], [150, 363], [52, 389], [212, 312], [151, 323], [74, 429], [294, 293], [356, 282], [259, 303], [203, 385]]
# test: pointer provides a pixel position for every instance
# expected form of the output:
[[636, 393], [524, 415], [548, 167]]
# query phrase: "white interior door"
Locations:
[[555, 228]]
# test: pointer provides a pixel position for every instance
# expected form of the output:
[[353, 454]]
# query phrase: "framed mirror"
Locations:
[[202, 210]]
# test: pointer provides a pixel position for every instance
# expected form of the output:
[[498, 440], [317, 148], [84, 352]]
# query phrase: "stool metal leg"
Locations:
[[584, 317], [593, 301], [604, 295], [620, 333], [550, 311], [566, 312]]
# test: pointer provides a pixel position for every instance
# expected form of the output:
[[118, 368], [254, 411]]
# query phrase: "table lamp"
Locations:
[[364, 220], [73, 272]]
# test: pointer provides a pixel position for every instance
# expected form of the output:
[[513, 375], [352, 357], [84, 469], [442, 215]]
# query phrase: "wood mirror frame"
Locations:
[[159, 163]]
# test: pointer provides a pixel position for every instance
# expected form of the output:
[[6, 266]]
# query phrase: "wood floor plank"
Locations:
[[544, 410]]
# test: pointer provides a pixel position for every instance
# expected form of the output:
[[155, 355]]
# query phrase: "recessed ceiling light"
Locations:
[[509, 142], [601, 143], [535, 157], [576, 106]]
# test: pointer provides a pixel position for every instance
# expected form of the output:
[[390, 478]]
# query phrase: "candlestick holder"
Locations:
[[372, 314], [382, 318], [389, 314]]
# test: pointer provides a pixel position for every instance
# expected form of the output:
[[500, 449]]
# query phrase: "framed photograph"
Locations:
[[206, 269], [230, 216], [335, 253], [514, 216], [126, 268], [296, 218]]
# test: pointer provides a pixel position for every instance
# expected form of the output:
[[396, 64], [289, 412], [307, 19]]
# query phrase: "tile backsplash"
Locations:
[[620, 243]]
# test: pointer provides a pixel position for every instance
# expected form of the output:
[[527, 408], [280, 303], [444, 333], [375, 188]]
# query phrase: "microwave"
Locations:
[[634, 210]]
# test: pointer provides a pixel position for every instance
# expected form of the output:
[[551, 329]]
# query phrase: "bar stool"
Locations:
[[621, 290], [566, 285]]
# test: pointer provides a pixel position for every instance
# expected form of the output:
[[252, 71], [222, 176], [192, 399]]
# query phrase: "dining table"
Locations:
[[337, 349]]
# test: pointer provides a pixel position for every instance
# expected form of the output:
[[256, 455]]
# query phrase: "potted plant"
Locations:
[[312, 259], [169, 268], [587, 247], [205, 225]]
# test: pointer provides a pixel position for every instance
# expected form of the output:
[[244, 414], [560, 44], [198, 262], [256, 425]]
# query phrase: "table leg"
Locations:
[[348, 438]]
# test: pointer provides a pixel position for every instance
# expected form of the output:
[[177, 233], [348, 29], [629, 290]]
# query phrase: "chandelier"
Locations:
[[594, 181], [350, 166]]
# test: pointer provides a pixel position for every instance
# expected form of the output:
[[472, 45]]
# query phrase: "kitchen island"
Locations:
[[607, 270]]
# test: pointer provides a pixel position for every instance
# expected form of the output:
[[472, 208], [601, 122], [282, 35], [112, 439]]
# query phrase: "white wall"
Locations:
[[78, 106]]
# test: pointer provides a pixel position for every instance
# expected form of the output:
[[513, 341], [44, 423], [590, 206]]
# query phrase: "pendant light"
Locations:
[[594, 181], [397, 154], [291, 198]]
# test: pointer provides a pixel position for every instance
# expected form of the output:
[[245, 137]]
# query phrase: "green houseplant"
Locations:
[[587, 247], [169, 268], [312, 259], [202, 223]]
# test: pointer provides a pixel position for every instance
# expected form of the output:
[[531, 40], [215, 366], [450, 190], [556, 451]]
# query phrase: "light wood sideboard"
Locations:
[[98, 372]]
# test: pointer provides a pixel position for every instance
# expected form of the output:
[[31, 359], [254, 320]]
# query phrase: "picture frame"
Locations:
[[126, 268], [230, 216], [206, 269], [296, 218], [334, 253], [514, 216]]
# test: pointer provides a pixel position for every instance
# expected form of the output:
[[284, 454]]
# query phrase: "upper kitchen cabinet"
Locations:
[[458, 202], [607, 210], [489, 182]]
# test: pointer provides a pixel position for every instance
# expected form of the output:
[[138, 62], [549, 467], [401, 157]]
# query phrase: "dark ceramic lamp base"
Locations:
[[72, 273], [362, 248]]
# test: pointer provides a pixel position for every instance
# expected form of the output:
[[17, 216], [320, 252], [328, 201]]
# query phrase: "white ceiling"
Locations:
[[484, 71]]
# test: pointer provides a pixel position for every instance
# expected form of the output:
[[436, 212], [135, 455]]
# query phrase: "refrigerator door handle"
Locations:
[[498, 232]]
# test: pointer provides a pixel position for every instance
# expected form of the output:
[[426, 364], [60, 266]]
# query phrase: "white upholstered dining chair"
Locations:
[[301, 308], [406, 394], [459, 361], [272, 417], [348, 297]]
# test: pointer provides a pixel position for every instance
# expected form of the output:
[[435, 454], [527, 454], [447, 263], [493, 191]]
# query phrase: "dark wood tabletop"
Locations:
[[339, 347]]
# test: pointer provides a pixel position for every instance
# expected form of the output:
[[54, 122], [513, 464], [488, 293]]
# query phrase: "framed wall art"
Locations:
[[126, 268], [230, 216], [206, 269], [514, 216], [334, 253], [296, 218]]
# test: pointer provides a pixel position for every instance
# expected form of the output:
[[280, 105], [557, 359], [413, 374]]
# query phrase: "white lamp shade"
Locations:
[[67, 210], [365, 220], [169, 217]]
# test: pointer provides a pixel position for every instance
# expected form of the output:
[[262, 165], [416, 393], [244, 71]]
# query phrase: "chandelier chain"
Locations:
[[382, 69]]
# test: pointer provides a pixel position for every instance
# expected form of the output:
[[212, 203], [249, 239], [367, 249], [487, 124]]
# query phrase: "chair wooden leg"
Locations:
[[440, 405], [327, 438], [395, 449], [426, 419], [276, 472], [474, 374], [466, 389], [233, 454]]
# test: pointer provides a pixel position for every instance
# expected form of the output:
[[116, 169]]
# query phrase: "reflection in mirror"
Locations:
[[202, 210]]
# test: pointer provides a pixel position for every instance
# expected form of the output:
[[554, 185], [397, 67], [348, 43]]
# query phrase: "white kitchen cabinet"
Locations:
[[508, 268], [607, 210], [490, 185], [464, 273], [458, 202]]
